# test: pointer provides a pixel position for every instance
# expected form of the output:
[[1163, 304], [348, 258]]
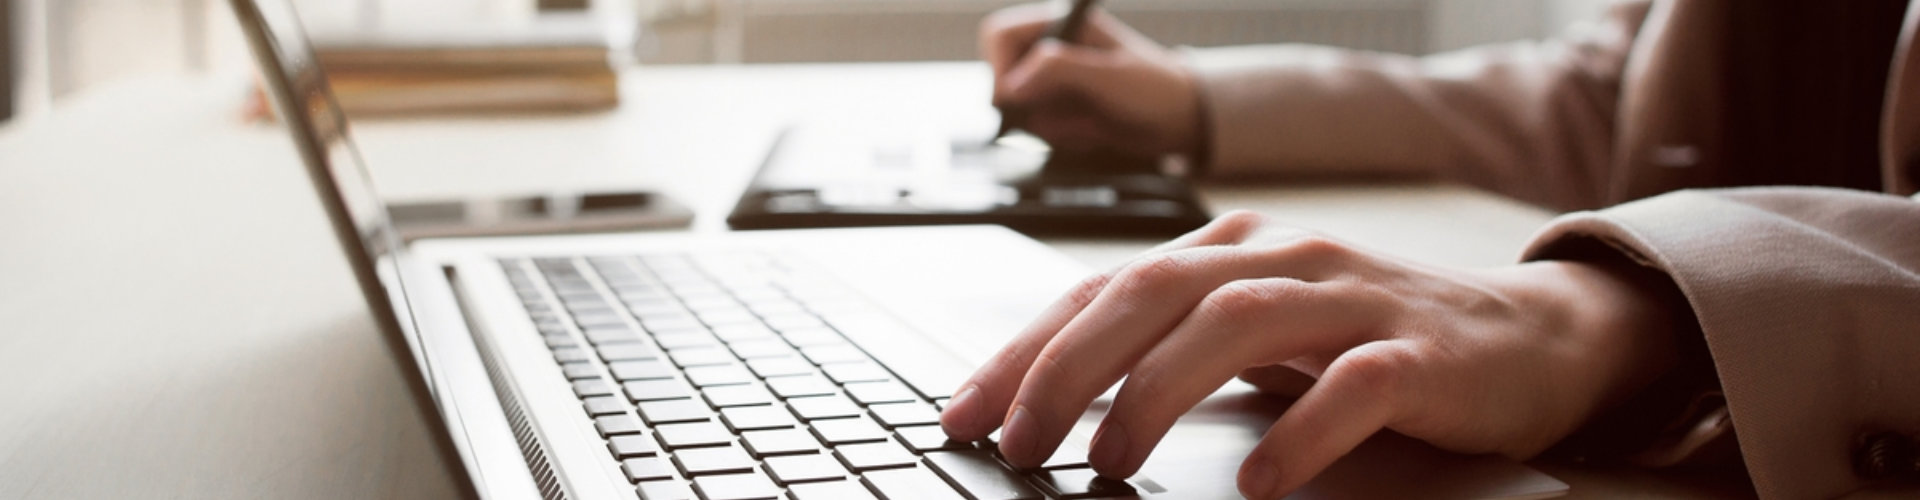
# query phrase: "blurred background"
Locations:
[[54, 49]]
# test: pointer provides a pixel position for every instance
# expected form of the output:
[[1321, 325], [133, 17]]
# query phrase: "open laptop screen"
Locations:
[[302, 98], [340, 178]]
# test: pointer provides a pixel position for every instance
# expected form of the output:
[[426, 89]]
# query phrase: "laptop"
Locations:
[[780, 364]]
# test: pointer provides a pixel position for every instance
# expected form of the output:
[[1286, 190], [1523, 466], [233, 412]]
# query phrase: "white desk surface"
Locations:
[[175, 320]]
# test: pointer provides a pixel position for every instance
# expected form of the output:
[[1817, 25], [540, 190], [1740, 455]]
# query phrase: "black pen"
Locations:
[[1067, 30]]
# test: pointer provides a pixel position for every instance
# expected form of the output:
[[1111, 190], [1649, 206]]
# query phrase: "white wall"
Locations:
[[85, 42]]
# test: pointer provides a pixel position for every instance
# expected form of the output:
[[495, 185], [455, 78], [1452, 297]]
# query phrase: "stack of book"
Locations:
[[556, 63]]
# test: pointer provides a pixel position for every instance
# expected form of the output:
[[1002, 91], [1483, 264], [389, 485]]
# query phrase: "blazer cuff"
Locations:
[[1804, 300], [1678, 419]]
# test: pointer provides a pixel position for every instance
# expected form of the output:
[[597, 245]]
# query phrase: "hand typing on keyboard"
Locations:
[[731, 376], [1506, 360]]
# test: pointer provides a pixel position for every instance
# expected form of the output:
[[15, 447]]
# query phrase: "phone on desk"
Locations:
[[538, 214]]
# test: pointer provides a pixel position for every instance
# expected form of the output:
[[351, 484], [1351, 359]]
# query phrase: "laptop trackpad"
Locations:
[[1201, 456]]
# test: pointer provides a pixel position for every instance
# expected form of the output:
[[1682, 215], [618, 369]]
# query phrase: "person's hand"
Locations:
[[1507, 360], [1113, 89]]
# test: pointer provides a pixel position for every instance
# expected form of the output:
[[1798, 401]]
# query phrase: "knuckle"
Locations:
[[1238, 299], [1089, 288], [1237, 220], [1047, 57], [1050, 367], [1153, 272], [1147, 382], [1315, 247], [1378, 371]]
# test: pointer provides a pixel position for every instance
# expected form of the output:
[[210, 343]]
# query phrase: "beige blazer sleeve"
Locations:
[[1534, 120], [1809, 301]]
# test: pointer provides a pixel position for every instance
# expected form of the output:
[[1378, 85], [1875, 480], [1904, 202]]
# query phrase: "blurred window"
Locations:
[[71, 44]]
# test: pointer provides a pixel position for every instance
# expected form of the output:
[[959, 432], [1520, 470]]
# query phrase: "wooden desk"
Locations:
[[177, 321]]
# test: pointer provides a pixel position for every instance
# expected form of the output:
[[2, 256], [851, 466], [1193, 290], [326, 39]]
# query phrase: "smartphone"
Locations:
[[538, 214]]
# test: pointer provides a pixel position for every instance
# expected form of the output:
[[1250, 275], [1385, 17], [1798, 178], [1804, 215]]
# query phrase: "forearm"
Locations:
[[1512, 117]]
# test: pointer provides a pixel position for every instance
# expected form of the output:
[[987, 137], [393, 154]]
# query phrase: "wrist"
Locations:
[[1187, 129]]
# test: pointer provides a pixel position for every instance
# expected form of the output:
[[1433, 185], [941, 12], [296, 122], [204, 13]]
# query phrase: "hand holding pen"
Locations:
[[1085, 81]]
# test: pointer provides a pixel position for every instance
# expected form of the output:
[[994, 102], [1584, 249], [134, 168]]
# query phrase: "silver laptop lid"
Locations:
[[306, 105]]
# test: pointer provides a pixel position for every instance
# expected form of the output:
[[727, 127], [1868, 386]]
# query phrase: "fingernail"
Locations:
[[1017, 439], [1259, 477], [1109, 448], [962, 415]]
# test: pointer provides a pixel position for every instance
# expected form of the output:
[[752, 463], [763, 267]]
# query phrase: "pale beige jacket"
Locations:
[[1807, 297]]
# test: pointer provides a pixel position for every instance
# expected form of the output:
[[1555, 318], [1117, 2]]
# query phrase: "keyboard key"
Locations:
[[679, 436], [753, 418], [559, 339], [580, 371], [617, 424], [646, 469], [831, 490], [776, 307], [720, 301], [716, 460], [655, 390], [751, 349], [661, 324], [749, 486], [848, 430], [808, 337], [1081, 483], [793, 322], [757, 292], [708, 376], [870, 393], [1070, 453], [981, 476], [640, 370], [780, 442], [846, 373], [723, 316], [569, 355], [588, 309], [649, 302], [666, 490], [830, 354], [925, 438], [627, 351], [592, 387], [870, 456], [597, 319], [685, 339], [738, 395], [912, 483], [633, 445], [614, 334], [903, 414], [805, 385], [604, 405], [696, 291], [803, 468], [674, 411], [734, 333], [779, 367], [819, 407], [702, 356]]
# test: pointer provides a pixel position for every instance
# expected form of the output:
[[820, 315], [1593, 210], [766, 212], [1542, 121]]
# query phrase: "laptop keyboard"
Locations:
[[725, 376]]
